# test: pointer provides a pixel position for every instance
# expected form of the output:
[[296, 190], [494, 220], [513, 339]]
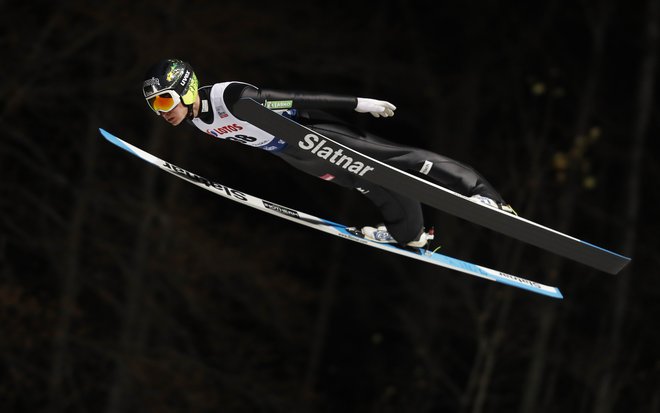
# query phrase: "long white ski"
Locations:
[[313, 145], [332, 227]]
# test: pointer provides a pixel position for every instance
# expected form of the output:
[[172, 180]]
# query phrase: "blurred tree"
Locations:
[[613, 380]]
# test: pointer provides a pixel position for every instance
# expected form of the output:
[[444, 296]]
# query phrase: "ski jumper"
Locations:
[[402, 215]]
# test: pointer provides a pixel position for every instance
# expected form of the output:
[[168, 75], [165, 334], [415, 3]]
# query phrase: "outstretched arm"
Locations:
[[306, 100]]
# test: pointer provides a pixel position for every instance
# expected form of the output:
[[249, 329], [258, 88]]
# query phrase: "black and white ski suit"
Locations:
[[402, 215]]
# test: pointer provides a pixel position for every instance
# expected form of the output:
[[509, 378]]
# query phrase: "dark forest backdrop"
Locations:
[[124, 289]]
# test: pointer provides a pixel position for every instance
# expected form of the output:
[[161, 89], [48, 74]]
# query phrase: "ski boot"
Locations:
[[382, 235], [493, 204]]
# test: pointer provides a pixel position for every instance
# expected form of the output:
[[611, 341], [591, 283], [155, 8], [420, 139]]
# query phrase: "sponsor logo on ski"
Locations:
[[194, 178], [282, 210], [322, 149], [519, 280]]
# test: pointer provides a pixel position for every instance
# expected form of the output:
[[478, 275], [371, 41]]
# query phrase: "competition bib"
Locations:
[[226, 126]]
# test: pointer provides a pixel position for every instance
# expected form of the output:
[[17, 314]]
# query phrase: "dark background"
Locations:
[[125, 289]]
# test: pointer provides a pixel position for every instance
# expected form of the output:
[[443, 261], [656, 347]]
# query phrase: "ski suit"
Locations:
[[402, 215]]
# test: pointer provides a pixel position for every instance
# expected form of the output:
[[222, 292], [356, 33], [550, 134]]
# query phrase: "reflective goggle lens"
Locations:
[[163, 103]]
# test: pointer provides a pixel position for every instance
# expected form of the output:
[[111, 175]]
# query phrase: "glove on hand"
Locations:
[[377, 108]]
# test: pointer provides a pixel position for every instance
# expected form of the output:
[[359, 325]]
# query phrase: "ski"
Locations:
[[315, 145], [333, 228]]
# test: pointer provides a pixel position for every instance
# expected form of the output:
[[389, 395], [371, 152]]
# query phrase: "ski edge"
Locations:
[[332, 227]]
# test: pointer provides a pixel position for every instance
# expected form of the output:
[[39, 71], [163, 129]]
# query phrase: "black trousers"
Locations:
[[402, 216]]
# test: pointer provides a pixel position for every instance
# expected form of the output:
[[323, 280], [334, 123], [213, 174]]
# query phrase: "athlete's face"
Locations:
[[176, 115]]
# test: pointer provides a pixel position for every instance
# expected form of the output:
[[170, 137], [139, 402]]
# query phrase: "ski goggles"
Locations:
[[164, 101]]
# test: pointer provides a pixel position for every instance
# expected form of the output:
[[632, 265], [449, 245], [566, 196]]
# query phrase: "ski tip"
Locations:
[[548, 291], [116, 141], [111, 138], [106, 134]]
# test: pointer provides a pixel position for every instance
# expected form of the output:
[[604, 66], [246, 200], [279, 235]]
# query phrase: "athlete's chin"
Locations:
[[174, 122]]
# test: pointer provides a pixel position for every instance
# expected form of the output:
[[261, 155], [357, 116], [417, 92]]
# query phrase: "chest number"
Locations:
[[242, 138]]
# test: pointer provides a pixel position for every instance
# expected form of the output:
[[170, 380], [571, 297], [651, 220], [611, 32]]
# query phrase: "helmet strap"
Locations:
[[191, 112]]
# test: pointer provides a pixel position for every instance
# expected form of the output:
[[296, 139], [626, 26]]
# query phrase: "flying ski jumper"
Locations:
[[172, 85], [291, 126]]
